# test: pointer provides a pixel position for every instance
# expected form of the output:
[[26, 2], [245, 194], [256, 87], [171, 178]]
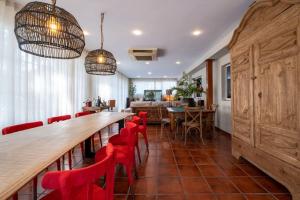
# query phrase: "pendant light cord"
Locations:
[[53, 2], [101, 27]]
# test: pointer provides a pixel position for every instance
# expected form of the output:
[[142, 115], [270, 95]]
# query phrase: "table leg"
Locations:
[[87, 148], [121, 124]]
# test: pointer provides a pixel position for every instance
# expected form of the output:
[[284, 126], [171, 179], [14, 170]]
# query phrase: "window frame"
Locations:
[[224, 82]]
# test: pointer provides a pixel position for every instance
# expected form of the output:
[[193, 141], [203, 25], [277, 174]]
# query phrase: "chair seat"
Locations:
[[191, 124], [98, 193]]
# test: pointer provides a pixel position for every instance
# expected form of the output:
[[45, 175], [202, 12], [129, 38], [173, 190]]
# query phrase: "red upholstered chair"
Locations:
[[80, 184], [22, 127], [124, 145], [141, 121], [80, 114], [58, 118], [52, 120]]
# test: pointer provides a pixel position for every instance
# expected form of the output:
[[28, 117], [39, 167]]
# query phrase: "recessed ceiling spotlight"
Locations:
[[197, 32], [149, 73], [118, 62], [138, 76], [86, 33], [137, 32], [147, 63], [178, 62], [165, 76]]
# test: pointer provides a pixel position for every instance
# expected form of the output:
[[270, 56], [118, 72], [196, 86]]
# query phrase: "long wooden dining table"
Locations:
[[24, 154]]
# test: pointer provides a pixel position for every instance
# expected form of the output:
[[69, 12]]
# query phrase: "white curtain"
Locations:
[[35, 88], [153, 84], [111, 88]]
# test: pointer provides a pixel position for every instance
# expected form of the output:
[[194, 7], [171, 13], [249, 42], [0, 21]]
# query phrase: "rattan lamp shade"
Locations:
[[95, 67], [48, 31], [100, 61]]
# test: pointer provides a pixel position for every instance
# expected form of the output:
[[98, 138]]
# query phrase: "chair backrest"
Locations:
[[58, 118], [80, 114], [77, 184], [193, 115], [21, 127], [130, 133], [143, 116]]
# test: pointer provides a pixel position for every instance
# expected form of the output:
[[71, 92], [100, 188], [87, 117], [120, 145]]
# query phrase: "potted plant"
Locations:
[[186, 89], [131, 93]]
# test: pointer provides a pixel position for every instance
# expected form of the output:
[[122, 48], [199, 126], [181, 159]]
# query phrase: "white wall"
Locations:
[[223, 117]]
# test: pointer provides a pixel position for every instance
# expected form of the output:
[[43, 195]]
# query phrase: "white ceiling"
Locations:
[[166, 24]]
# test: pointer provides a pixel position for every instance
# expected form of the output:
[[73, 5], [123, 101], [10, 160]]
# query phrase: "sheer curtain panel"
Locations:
[[111, 87], [35, 88]]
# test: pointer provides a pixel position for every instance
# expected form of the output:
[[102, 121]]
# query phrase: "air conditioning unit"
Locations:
[[146, 54]]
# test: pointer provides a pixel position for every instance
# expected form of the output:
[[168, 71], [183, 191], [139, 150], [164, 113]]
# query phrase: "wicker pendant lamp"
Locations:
[[48, 31], [100, 61]]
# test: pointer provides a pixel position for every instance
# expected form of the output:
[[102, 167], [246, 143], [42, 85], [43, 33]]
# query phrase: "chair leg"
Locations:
[[161, 129], [93, 142], [146, 140], [70, 159], [35, 183], [100, 138], [138, 152], [201, 136]]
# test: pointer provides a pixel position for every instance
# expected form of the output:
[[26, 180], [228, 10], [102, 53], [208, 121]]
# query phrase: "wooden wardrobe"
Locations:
[[265, 56]]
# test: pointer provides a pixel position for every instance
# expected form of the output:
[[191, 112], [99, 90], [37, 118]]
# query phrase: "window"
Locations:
[[227, 82], [153, 84]]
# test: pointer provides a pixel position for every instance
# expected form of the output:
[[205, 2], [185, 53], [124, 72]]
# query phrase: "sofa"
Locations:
[[152, 108]]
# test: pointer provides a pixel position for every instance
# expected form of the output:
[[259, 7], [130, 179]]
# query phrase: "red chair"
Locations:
[[141, 121], [124, 144], [22, 127], [80, 114], [58, 118], [80, 184], [52, 120]]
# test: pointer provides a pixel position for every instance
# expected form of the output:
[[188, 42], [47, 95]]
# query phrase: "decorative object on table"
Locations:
[[185, 89], [169, 93], [100, 61], [88, 102], [111, 104], [46, 30], [98, 103]]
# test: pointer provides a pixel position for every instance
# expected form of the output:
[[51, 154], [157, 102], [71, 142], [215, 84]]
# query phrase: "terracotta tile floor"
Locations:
[[174, 171]]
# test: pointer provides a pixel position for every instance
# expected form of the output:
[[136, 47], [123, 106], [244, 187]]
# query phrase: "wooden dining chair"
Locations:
[[163, 121], [192, 121]]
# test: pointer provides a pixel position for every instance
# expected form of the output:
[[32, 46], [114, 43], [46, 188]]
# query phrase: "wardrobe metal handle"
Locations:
[[260, 94]]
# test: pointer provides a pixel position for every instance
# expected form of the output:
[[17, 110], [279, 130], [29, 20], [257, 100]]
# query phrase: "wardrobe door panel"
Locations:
[[242, 95], [276, 94]]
